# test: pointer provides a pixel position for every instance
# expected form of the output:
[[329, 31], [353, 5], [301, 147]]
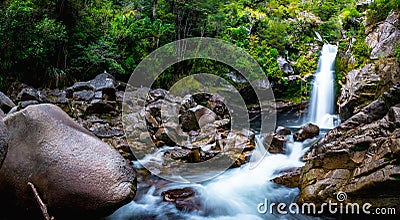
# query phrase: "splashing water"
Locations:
[[235, 194]]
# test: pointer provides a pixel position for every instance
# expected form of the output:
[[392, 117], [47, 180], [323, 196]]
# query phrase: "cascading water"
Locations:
[[234, 194], [323, 96]]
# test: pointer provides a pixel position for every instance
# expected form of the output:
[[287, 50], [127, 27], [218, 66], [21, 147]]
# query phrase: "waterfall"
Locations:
[[323, 94]]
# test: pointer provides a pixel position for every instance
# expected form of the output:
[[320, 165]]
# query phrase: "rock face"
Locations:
[[359, 157], [384, 37], [289, 178], [76, 174], [366, 84]]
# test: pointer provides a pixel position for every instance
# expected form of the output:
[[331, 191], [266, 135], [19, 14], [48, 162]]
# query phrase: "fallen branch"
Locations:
[[40, 202]]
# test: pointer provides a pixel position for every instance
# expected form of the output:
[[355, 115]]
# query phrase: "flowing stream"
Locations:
[[237, 193]]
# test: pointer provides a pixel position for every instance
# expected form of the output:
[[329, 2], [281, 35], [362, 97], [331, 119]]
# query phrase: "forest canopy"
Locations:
[[51, 43]]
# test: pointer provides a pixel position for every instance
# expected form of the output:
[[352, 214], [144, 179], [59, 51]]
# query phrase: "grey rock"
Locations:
[[5, 103], [27, 93], [76, 174], [83, 95], [385, 37], [3, 141], [25, 104]]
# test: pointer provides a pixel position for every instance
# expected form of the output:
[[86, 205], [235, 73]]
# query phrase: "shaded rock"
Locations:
[[100, 106], [307, 131], [188, 121], [289, 178], [76, 174], [280, 130], [162, 135], [83, 95], [5, 103], [25, 104], [3, 141], [105, 131], [184, 199], [358, 91], [284, 65], [156, 94], [27, 93], [277, 145]]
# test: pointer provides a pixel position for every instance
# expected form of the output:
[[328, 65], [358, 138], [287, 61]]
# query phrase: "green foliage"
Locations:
[[379, 9], [28, 42], [54, 41]]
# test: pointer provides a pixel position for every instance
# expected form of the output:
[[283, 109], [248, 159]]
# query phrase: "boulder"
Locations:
[[5, 103], [280, 130], [307, 131], [76, 174], [277, 145]]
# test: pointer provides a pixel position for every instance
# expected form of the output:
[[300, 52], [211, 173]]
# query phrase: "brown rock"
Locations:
[[307, 131]]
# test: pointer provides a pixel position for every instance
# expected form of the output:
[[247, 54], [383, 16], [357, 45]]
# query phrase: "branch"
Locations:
[[40, 202]]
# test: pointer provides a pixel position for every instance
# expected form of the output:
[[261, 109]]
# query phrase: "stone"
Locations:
[[25, 104], [284, 65], [289, 178], [307, 131], [188, 121], [83, 95], [5, 103], [204, 116], [277, 145], [358, 91], [27, 93], [385, 37], [100, 106], [76, 174], [184, 198], [280, 130]]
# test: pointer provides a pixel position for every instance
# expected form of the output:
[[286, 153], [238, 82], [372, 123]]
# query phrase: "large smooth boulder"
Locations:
[[76, 174]]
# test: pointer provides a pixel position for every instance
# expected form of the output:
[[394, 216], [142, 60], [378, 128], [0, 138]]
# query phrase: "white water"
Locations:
[[234, 194], [323, 94]]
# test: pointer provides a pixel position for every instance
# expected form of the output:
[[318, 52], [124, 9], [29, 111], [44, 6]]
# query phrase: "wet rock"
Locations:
[[27, 93], [216, 103], [5, 103], [184, 199], [280, 130], [277, 145], [105, 131], [156, 94], [307, 131], [76, 174], [289, 178]]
